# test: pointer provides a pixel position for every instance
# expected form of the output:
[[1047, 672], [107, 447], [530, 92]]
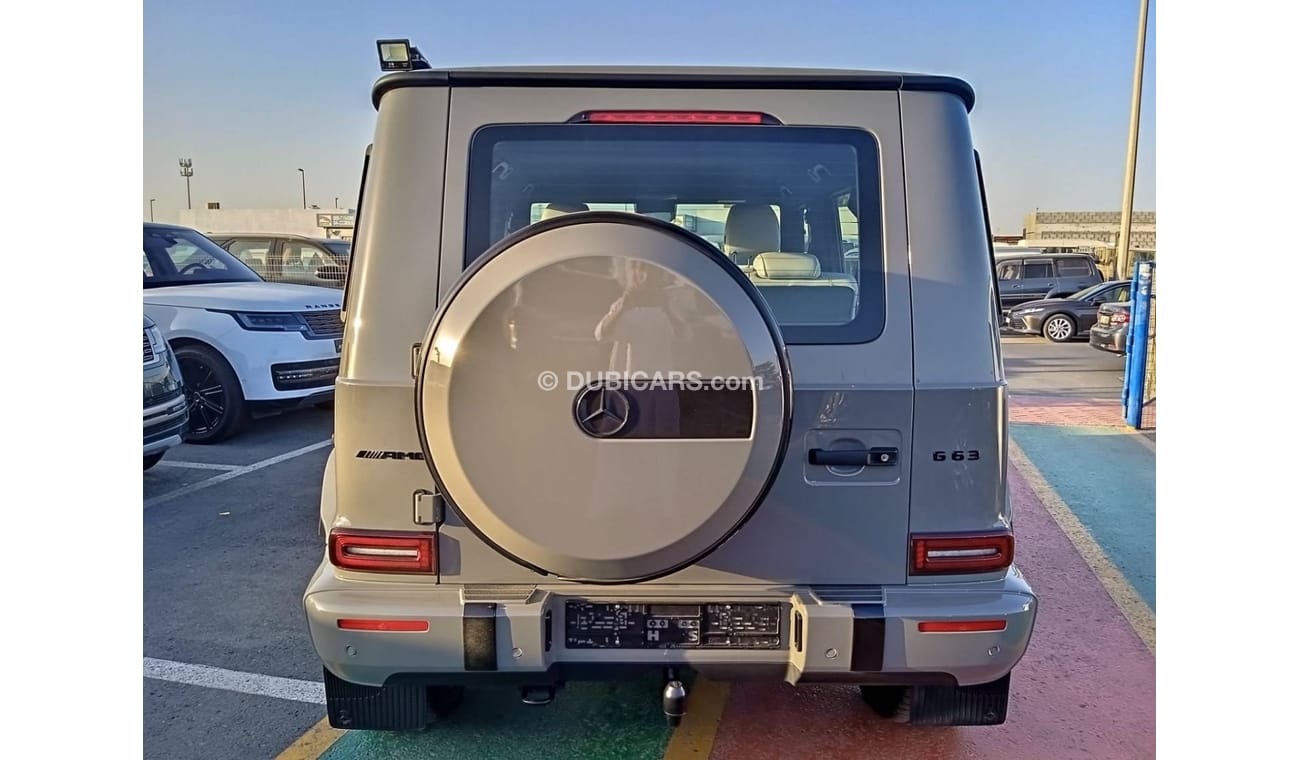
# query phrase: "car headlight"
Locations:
[[268, 321], [1032, 310]]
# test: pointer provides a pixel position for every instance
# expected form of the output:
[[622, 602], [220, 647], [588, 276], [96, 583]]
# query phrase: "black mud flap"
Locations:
[[375, 708], [979, 705]]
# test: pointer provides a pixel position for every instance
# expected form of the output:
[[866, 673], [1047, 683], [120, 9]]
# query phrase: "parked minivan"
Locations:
[[1024, 278], [573, 443]]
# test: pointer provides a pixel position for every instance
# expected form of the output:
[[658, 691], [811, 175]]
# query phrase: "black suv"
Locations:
[[297, 259], [166, 416]]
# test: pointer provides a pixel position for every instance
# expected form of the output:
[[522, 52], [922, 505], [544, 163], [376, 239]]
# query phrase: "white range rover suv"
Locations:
[[243, 344]]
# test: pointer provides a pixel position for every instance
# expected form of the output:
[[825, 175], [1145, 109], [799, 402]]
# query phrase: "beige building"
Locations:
[[334, 223], [1096, 232]]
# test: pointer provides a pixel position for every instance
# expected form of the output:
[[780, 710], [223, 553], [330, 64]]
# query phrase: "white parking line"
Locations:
[[199, 465], [223, 477], [311, 692]]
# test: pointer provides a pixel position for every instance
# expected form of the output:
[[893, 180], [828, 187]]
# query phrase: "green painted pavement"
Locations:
[[620, 720], [1108, 479]]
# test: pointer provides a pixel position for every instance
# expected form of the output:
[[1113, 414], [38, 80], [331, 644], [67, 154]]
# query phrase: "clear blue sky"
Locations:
[[253, 90]]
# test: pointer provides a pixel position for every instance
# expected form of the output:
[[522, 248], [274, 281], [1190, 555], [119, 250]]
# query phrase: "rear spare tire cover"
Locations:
[[604, 397]]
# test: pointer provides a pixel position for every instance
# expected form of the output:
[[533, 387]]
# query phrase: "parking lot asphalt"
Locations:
[[230, 540], [1067, 370], [224, 570]]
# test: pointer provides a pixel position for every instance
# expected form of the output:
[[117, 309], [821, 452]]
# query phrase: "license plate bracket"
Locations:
[[712, 625]]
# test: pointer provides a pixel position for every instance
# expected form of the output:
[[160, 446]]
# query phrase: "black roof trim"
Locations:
[[810, 81]]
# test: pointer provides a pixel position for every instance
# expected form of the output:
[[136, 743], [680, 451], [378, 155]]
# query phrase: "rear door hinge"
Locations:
[[429, 508]]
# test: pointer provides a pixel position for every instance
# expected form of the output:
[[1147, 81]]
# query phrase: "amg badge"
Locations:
[[416, 455]]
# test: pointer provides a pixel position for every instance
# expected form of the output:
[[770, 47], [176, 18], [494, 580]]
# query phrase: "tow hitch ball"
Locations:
[[674, 698]]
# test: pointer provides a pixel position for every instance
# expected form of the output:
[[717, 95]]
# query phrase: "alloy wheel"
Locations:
[[204, 395], [1059, 328]]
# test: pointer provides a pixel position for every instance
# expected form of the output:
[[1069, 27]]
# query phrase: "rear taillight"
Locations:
[[1119, 317], [674, 117], [962, 553], [383, 552]]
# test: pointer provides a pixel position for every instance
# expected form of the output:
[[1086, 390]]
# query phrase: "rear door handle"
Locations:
[[879, 456]]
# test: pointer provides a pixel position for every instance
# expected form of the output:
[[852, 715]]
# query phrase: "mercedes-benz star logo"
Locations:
[[602, 412]]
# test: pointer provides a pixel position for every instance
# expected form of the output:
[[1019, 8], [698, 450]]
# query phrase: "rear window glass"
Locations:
[[1038, 270], [797, 209], [1073, 267]]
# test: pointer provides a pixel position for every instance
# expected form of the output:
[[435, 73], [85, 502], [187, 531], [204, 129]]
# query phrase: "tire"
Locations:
[[647, 546], [215, 399], [152, 459], [1059, 328], [444, 700], [890, 702]]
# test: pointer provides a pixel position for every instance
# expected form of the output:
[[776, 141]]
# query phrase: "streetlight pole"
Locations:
[[304, 187], [187, 171], [336, 201], [151, 200], [1122, 252]]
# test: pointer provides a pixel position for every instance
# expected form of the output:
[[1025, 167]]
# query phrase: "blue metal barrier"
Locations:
[[1135, 351]]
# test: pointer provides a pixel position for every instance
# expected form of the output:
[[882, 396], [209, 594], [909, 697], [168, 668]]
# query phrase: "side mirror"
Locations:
[[331, 273]]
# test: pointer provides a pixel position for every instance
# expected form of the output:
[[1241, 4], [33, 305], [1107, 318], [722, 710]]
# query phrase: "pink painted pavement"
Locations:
[[1080, 412], [1085, 688]]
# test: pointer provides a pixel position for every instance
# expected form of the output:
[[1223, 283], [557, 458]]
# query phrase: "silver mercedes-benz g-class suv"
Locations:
[[575, 439]]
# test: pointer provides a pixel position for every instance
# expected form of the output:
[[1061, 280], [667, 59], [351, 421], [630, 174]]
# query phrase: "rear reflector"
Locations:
[[674, 117], [383, 552], [362, 624], [962, 553], [961, 626]]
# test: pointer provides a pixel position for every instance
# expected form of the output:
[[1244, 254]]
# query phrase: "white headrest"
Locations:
[[778, 265], [751, 227], [559, 209]]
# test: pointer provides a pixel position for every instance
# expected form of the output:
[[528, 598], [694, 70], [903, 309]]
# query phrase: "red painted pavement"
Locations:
[[1085, 688], [1081, 412]]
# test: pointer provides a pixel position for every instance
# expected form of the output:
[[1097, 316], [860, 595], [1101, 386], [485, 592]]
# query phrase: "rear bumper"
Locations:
[[517, 634], [1108, 338]]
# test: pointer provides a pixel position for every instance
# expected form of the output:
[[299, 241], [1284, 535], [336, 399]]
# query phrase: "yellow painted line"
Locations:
[[1139, 615], [693, 739], [312, 744]]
